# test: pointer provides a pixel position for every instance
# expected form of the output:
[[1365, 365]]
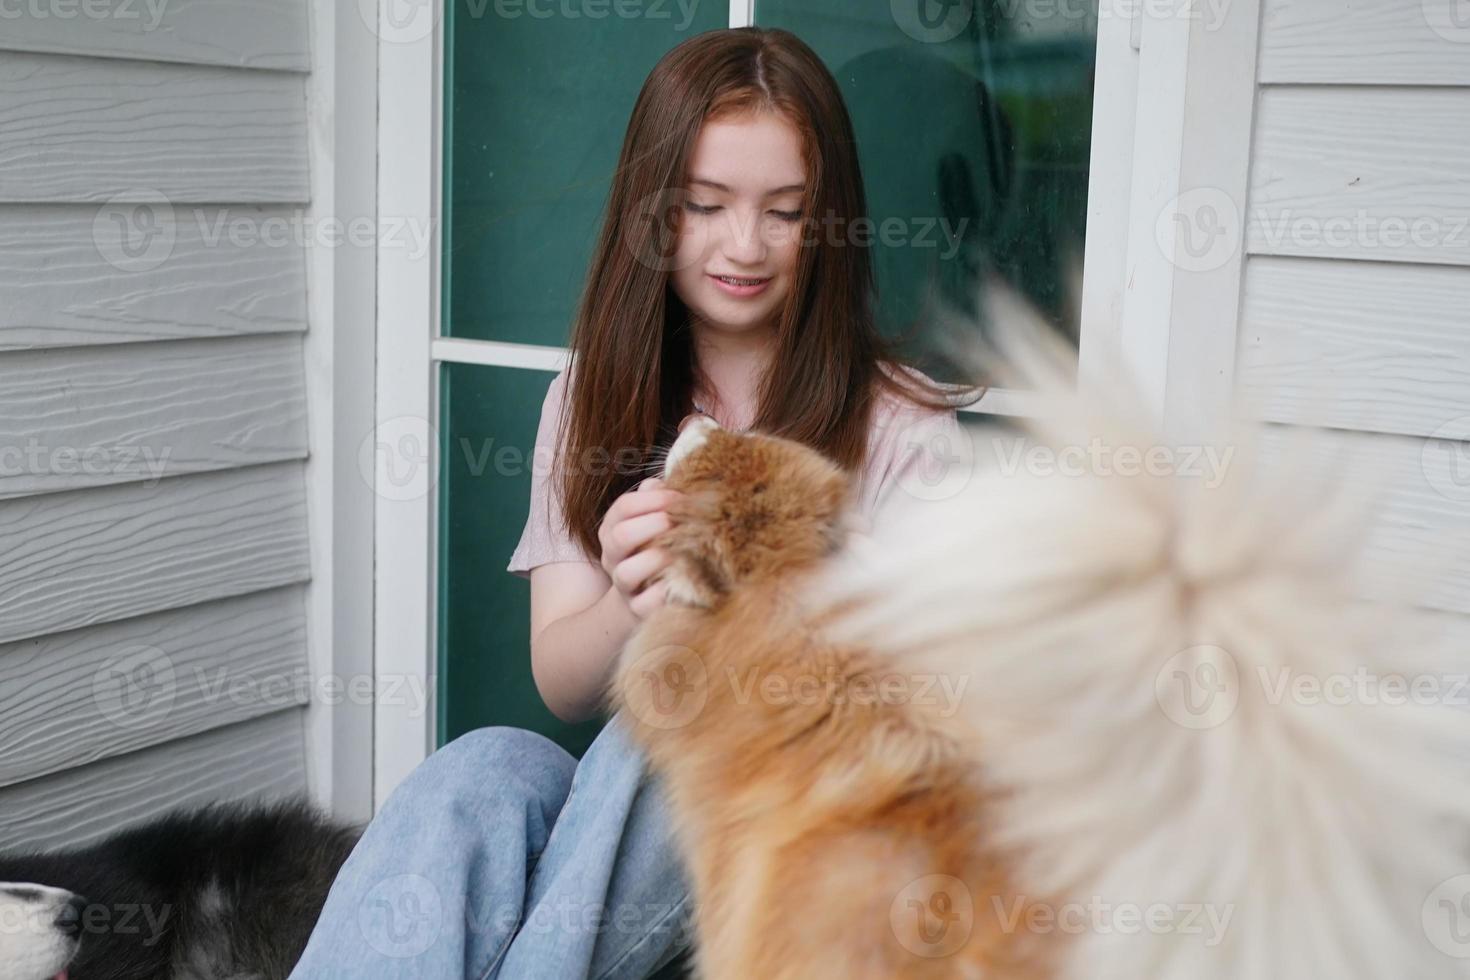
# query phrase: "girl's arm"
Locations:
[[582, 614], [579, 622]]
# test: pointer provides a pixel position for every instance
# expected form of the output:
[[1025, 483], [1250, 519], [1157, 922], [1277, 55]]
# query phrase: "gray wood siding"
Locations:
[[1355, 313], [153, 633], [1367, 42], [146, 412], [90, 129], [1362, 172], [258, 759], [242, 34], [66, 280], [92, 556], [73, 698], [1394, 337]]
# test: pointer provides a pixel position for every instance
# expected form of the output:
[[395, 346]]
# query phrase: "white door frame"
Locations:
[[1158, 124], [338, 352], [1156, 300], [405, 443]]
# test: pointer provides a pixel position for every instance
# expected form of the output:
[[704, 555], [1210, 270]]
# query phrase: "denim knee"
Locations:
[[498, 764]]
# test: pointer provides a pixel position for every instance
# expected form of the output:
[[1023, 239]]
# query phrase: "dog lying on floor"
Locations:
[[219, 893], [1038, 731]]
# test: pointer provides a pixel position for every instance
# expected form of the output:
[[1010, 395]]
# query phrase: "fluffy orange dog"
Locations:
[[827, 826]]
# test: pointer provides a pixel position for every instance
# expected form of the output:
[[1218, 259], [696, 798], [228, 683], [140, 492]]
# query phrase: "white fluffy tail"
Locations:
[[1213, 756]]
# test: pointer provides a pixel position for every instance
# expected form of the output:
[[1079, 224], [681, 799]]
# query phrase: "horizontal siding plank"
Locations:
[[74, 698], [1371, 346], [67, 279], [89, 129], [256, 760], [241, 33], [1362, 173], [92, 416], [94, 556], [1419, 546], [1368, 42]]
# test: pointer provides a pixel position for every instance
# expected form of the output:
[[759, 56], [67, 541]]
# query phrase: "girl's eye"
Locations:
[[701, 208], [788, 215]]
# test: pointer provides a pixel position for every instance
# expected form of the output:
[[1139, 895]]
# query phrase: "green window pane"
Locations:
[[488, 432], [538, 95], [973, 122]]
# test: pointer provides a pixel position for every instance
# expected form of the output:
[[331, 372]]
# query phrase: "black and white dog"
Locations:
[[220, 893]]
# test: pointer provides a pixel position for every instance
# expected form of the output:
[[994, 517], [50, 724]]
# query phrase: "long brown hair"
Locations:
[[633, 365]]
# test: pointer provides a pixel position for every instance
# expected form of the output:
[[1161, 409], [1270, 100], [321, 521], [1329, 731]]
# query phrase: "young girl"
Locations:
[[729, 279]]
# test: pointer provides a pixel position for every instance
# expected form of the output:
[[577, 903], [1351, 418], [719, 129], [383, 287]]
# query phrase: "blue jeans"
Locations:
[[501, 856]]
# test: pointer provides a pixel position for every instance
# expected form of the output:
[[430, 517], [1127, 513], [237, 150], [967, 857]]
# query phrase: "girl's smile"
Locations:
[[742, 286]]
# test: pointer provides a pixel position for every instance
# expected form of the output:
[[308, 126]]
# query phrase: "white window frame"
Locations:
[[1172, 111]]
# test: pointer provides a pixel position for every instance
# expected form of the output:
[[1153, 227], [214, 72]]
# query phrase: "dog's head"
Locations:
[[40, 931], [754, 507]]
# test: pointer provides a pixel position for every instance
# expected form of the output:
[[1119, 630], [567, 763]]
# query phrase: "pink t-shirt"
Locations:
[[905, 446]]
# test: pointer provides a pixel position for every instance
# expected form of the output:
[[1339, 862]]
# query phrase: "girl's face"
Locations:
[[741, 228]]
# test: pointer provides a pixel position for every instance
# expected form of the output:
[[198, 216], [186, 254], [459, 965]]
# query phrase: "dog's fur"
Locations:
[[227, 892], [837, 836]]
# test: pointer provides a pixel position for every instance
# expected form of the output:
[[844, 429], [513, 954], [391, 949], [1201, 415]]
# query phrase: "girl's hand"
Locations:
[[633, 520]]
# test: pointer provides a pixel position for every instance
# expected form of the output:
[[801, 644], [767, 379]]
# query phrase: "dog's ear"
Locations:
[[693, 583]]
